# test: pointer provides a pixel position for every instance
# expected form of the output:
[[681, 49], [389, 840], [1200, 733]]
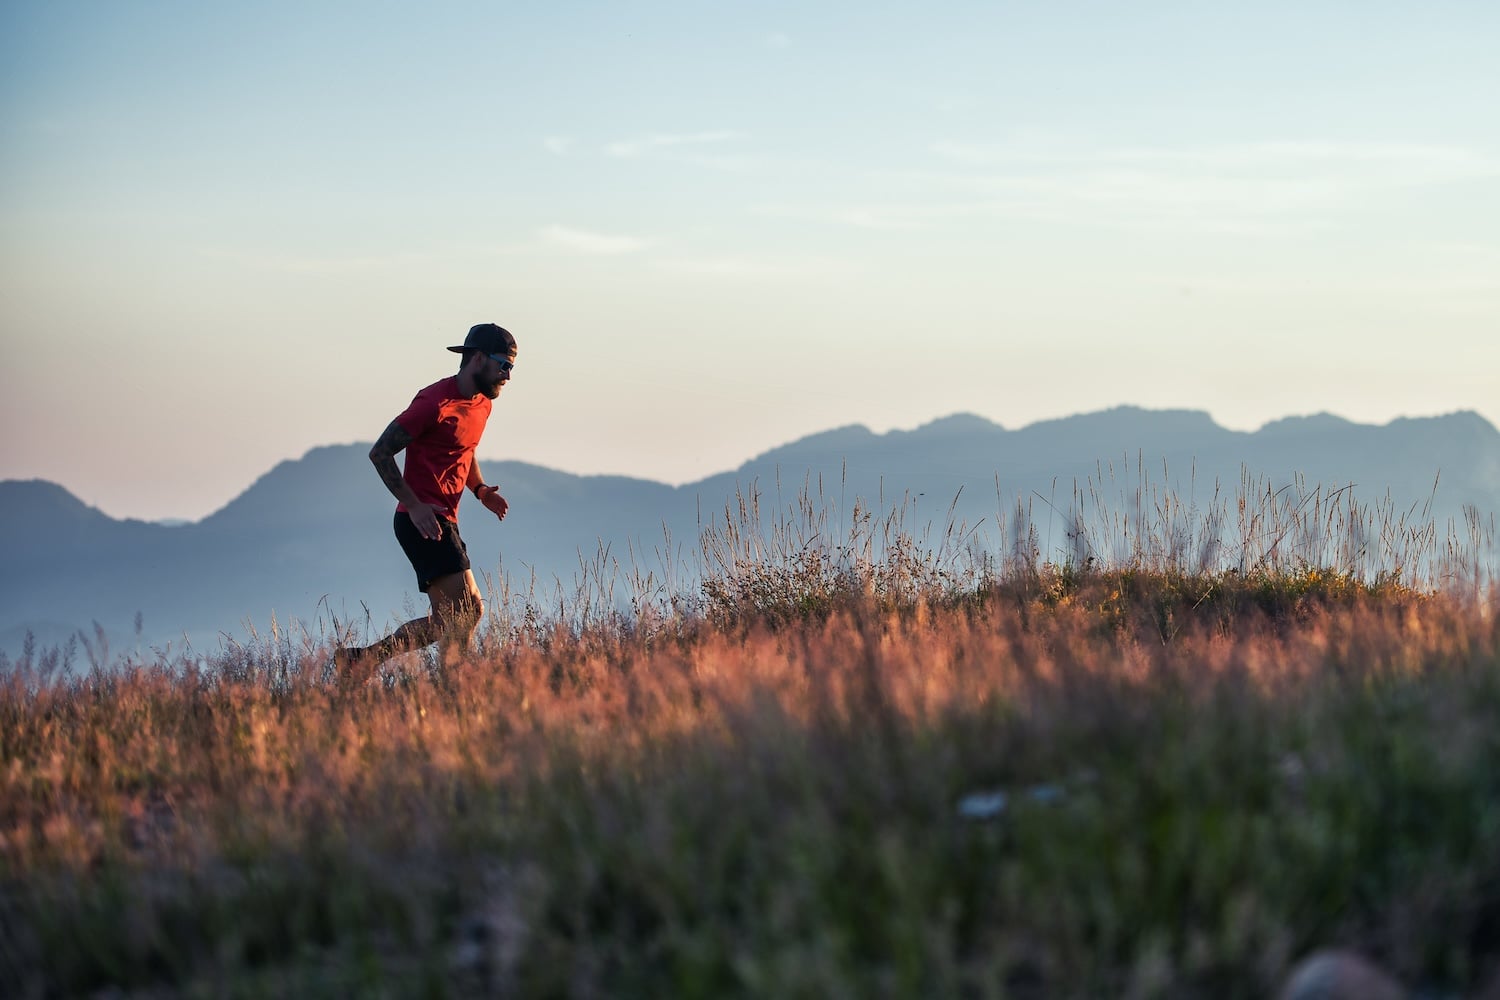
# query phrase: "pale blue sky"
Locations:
[[234, 232]]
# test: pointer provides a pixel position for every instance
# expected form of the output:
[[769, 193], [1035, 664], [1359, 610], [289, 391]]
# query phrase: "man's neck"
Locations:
[[466, 386]]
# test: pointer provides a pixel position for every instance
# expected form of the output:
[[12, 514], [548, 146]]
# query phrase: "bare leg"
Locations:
[[456, 609]]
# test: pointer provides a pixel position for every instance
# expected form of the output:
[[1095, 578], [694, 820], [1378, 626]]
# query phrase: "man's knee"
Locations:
[[468, 611], [456, 602]]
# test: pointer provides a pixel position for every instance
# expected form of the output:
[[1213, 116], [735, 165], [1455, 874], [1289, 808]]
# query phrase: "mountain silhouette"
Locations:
[[312, 537]]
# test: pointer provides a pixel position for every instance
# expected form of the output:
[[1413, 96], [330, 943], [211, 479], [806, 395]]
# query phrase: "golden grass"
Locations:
[[761, 791]]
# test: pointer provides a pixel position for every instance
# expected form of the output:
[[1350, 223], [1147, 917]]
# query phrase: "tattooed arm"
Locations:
[[383, 457]]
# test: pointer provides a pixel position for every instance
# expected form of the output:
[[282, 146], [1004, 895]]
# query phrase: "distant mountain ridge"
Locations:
[[313, 533]]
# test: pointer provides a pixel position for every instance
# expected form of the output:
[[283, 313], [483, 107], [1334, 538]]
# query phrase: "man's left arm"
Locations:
[[488, 495]]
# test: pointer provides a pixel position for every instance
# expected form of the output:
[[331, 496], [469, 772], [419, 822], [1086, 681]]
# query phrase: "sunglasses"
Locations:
[[506, 364]]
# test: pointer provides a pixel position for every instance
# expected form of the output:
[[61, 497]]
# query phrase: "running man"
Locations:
[[439, 432]]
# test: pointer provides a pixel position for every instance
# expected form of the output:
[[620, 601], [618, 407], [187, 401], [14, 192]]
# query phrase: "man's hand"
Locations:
[[492, 500], [424, 518]]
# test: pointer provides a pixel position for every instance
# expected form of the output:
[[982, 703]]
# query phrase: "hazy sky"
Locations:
[[232, 232]]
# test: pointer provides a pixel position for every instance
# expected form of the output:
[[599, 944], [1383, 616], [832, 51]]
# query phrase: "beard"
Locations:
[[489, 386]]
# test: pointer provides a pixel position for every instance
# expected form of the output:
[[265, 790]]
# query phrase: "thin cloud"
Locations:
[[1244, 180], [1255, 155], [1270, 188], [582, 241], [778, 40], [647, 145], [558, 145], [324, 266], [893, 216], [748, 268]]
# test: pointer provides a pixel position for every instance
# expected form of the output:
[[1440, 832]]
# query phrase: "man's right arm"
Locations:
[[383, 456]]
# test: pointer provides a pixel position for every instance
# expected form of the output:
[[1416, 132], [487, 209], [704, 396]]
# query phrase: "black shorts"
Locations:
[[431, 559]]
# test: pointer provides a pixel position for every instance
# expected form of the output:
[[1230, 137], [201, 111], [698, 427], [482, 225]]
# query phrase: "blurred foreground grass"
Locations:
[[824, 777]]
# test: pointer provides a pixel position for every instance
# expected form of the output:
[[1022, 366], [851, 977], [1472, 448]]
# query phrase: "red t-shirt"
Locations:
[[445, 428]]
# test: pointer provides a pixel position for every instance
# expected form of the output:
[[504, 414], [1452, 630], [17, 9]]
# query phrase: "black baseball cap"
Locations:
[[487, 338]]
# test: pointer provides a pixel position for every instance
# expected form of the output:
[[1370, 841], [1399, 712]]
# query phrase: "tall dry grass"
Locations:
[[856, 762]]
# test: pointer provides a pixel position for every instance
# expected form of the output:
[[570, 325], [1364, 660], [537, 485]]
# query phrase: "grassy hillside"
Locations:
[[853, 764]]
